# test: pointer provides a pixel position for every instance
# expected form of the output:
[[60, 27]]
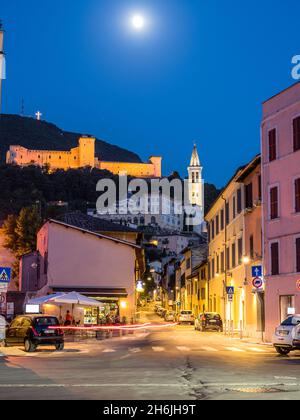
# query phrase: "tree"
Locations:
[[20, 234]]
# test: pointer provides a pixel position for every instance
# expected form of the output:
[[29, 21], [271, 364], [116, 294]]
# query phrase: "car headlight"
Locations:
[[282, 333]]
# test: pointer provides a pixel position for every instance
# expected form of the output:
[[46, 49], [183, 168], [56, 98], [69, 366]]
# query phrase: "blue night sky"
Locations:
[[198, 71]]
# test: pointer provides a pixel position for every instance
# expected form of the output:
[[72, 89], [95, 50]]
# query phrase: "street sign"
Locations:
[[3, 303], [3, 287], [230, 290], [298, 284], [257, 283], [257, 271], [230, 298], [5, 274]]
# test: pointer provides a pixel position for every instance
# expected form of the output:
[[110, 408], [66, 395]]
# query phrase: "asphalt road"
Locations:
[[162, 364]]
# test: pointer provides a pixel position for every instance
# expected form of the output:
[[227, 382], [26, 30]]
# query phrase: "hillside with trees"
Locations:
[[41, 135]]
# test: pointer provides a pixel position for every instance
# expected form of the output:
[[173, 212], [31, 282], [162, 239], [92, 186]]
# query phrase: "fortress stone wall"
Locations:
[[80, 157]]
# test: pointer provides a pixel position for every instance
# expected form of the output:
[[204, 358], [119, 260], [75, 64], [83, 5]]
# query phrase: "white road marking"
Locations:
[[135, 350], [235, 349], [158, 349], [182, 348], [109, 351], [110, 385], [209, 349], [256, 349], [288, 378]]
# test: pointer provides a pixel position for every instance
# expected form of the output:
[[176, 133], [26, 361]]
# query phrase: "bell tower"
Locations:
[[2, 63], [196, 187]]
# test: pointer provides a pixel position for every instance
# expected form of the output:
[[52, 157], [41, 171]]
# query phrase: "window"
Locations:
[[227, 258], [286, 302], [233, 208], [217, 225], [274, 203], [297, 195], [239, 200], [188, 263], [248, 196], [222, 262], [259, 187], [251, 247], [218, 264], [298, 255], [213, 268], [222, 219], [233, 255], [212, 229], [296, 129], [272, 145], [208, 270], [275, 259], [227, 214], [240, 250], [203, 294]]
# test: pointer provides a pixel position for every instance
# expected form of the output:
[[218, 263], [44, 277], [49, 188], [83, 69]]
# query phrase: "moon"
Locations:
[[138, 22]]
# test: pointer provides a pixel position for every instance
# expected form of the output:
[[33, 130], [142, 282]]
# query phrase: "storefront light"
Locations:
[[246, 259], [123, 304]]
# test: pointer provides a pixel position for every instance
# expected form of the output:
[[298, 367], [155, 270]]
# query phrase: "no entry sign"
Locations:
[[298, 285]]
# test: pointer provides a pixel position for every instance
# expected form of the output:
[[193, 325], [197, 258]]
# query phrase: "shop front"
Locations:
[[115, 305]]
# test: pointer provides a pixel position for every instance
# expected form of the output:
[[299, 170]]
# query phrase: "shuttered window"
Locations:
[[296, 127], [298, 255], [239, 201], [272, 145], [233, 255], [297, 195], [275, 259], [240, 250], [274, 203], [248, 196]]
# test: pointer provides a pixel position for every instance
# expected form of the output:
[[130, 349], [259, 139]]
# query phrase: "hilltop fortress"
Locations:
[[80, 157]]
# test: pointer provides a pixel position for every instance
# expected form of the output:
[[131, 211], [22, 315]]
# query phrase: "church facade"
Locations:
[[80, 157]]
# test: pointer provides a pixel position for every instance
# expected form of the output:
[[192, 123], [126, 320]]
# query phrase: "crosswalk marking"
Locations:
[[209, 349], [256, 349], [235, 349], [158, 349], [135, 350], [182, 348]]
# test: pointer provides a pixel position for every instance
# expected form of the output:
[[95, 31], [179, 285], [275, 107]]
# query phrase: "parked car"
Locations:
[[163, 312], [159, 311], [186, 317], [209, 321], [170, 316], [33, 331], [287, 335]]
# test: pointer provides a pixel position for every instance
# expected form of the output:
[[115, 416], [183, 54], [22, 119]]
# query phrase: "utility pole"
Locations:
[[2, 63]]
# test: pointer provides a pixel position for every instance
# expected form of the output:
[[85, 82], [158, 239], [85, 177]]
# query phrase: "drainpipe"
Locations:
[[225, 263]]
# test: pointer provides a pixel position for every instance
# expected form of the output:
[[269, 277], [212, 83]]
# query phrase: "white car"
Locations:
[[186, 317], [287, 335]]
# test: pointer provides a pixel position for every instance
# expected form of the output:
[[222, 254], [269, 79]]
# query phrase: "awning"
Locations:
[[93, 291]]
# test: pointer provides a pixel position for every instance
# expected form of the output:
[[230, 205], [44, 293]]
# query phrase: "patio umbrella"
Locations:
[[43, 299], [74, 298]]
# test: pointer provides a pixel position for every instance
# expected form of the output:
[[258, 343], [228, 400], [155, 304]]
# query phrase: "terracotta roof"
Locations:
[[93, 224]]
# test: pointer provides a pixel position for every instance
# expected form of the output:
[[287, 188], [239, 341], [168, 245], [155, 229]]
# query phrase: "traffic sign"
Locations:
[[230, 290], [2, 298], [257, 271], [5, 274], [298, 284], [257, 283], [230, 298]]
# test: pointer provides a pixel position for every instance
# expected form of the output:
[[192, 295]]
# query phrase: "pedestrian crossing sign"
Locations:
[[230, 290], [5, 275]]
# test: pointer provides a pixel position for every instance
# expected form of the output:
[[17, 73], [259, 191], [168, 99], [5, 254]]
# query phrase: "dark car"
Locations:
[[209, 321], [33, 331]]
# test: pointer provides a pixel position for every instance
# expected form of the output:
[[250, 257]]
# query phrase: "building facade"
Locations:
[[71, 257], [281, 205], [80, 157], [234, 230]]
